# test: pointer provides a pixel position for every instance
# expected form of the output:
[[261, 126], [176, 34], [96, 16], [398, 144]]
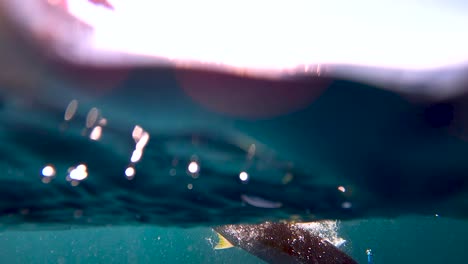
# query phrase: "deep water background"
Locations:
[[409, 239]]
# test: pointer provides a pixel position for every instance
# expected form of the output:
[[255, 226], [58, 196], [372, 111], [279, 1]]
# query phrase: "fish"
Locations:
[[281, 243]]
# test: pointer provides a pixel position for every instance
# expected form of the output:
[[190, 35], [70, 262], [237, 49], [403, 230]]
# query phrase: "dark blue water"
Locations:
[[327, 149]]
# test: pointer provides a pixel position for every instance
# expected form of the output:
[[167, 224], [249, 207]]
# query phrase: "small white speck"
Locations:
[[243, 176], [48, 171], [193, 167], [130, 172], [96, 133], [79, 173]]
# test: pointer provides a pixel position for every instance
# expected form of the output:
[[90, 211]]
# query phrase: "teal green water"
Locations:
[[354, 153], [301, 142], [399, 240], [397, 160]]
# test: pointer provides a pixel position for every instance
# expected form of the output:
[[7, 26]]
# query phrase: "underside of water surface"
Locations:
[[162, 147]]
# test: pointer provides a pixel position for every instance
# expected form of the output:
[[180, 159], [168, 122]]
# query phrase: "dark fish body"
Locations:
[[283, 243]]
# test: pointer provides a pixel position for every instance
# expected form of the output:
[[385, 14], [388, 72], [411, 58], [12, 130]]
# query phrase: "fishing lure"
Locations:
[[370, 256]]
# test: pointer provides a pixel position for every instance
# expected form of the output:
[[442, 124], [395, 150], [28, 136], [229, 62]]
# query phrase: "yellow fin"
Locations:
[[223, 243]]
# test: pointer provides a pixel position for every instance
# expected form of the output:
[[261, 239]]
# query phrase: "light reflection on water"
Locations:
[[89, 172], [251, 180], [228, 171], [244, 176], [193, 167], [96, 133], [48, 171]]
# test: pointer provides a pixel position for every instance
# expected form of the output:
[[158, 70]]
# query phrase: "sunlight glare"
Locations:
[[282, 36]]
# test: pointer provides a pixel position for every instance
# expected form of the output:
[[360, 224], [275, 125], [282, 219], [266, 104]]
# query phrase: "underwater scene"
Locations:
[[114, 158]]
